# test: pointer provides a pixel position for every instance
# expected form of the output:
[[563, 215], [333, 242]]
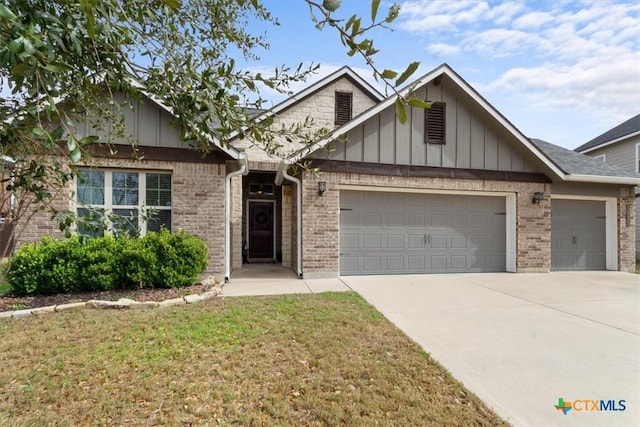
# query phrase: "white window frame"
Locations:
[[602, 157], [108, 205], [638, 157]]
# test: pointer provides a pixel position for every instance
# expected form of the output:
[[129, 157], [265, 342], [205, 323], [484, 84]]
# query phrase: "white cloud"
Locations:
[[532, 20], [579, 58], [443, 49]]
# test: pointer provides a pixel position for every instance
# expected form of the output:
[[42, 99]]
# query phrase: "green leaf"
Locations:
[[331, 5], [401, 111], [417, 102], [5, 13], [76, 155], [175, 4], [389, 74], [407, 73], [54, 68], [38, 131], [375, 4], [71, 144], [394, 11]]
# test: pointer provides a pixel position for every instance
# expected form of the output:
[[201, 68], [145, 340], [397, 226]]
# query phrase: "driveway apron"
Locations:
[[523, 341]]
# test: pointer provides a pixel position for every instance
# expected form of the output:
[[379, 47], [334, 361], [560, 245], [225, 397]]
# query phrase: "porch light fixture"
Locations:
[[322, 187], [537, 198]]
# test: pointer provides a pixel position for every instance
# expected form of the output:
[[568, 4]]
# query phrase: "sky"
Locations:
[[562, 71]]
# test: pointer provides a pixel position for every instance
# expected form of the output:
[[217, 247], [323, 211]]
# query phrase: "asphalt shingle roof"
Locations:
[[630, 126], [579, 164]]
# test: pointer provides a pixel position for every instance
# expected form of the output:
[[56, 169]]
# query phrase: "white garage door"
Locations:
[[578, 235], [395, 233]]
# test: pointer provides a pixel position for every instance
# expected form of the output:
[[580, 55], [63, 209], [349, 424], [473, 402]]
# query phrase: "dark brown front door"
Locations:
[[261, 230]]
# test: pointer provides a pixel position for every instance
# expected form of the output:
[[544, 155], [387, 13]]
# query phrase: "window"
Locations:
[[601, 157], [434, 123], [106, 192], [343, 107], [638, 158]]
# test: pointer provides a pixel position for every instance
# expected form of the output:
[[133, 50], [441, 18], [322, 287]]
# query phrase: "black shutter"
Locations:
[[344, 102], [434, 123]]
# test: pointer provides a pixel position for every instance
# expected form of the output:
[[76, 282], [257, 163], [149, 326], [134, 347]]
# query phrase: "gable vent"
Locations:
[[344, 106], [434, 123]]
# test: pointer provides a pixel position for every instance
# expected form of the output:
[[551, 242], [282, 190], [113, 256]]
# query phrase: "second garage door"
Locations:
[[395, 233], [578, 235]]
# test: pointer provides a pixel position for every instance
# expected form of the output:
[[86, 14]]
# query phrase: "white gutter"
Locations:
[[280, 176], [599, 179], [244, 170]]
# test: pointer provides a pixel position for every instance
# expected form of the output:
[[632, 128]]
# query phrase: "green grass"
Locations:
[[328, 359], [5, 288]]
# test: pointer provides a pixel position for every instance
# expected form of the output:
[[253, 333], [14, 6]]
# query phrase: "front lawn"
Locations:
[[328, 359]]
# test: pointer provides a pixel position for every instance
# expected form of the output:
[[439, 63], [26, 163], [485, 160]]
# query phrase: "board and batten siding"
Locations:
[[144, 120], [474, 140]]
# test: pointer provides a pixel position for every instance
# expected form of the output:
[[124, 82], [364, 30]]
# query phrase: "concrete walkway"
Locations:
[[272, 279]]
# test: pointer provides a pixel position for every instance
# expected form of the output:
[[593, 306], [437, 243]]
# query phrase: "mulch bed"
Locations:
[[9, 303]]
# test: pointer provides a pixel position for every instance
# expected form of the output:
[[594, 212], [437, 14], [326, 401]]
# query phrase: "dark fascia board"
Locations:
[[427, 171]]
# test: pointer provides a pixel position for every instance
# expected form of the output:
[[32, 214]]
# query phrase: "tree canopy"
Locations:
[[60, 58]]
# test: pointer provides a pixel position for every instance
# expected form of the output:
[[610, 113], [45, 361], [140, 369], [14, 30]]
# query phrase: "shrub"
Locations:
[[183, 257], [104, 263]]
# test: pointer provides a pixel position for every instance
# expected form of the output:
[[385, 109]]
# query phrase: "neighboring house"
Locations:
[[619, 146], [455, 189]]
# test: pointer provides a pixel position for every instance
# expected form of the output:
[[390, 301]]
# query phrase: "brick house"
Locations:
[[619, 146], [457, 188]]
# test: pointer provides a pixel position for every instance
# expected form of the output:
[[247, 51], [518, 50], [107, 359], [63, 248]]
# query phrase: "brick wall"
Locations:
[[236, 223], [287, 232], [198, 203], [321, 215], [627, 229]]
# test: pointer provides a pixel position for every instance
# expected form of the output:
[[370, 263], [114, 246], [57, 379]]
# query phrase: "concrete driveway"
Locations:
[[522, 341]]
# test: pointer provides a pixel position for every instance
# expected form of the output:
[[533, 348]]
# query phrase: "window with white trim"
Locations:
[[601, 157], [638, 157], [139, 200]]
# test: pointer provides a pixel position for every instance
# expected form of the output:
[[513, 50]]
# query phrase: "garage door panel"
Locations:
[[395, 219], [439, 263], [459, 262], [395, 263], [348, 218], [349, 241], [416, 241], [372, 241], [395, 241], [416, 262], [417, 220], [422, 233], [372, 264], [438, 241], [458, 242], [371, 219], [438, 221]]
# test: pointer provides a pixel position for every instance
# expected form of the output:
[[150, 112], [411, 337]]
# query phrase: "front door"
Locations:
[[261, 231]]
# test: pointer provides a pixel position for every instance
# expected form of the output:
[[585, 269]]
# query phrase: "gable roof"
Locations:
[[225, 148], [579, 167], [623, 131], [546, 156], [298, 97]]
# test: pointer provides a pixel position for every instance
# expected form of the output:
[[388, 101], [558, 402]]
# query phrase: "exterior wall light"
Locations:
[[537, 198], [322, 187]]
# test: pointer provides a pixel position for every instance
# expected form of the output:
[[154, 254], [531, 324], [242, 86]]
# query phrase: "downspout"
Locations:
[[283, 174], [244, 170]]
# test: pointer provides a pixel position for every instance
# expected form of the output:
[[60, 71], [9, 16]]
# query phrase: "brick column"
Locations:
[[626, 229]]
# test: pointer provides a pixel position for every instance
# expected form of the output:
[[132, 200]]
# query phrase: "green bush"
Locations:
[[160, 259]]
